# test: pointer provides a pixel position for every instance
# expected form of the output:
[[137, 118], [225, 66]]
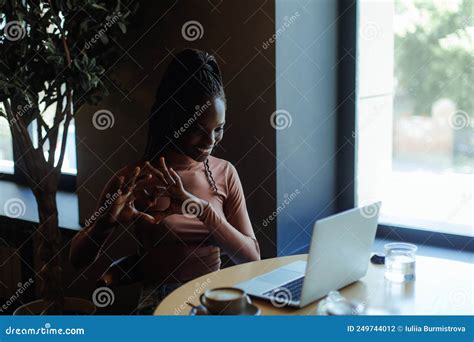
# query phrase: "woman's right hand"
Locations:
[[123, 208]]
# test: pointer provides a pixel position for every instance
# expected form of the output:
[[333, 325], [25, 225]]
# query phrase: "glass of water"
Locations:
[[400, 261]]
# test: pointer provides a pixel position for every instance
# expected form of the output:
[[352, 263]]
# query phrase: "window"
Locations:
[[414, 127], [69, 163], [69, 167], [6, 148]]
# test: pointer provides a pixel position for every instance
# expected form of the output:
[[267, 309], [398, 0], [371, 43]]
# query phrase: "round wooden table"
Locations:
[[442, 287]]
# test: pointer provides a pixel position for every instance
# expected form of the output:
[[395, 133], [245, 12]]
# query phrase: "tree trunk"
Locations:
[[49, 247], [43, 177]]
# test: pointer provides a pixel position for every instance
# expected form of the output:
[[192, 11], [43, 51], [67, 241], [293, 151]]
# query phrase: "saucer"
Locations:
[[250, 310]]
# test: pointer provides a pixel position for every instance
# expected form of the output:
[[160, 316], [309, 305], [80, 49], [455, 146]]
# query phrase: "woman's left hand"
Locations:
[[182, 202]]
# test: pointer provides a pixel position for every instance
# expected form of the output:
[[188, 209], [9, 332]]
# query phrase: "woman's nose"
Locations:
[[209, 139]]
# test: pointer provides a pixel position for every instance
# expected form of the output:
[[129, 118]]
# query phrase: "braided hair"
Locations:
[[192, 78]]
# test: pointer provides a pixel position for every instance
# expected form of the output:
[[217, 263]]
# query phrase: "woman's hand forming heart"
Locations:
[[182, 202], [123, 208]]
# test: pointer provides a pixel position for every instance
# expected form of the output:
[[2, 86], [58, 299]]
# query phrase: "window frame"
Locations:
[[346, 125], [67, 182]]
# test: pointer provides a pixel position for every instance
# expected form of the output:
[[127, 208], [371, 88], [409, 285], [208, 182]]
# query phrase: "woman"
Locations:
[[184, 205]]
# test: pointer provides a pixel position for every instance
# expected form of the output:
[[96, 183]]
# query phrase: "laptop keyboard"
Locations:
[[286, 293]]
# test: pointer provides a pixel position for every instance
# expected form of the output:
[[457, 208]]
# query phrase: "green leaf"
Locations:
[[84, 25], [85, 59], [84, 84], [77, 63], [46, 73], [94, 81], [123, 28], [50, 45], [99, 7], [104, 39]]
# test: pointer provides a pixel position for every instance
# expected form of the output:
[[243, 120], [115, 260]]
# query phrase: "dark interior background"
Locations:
[[233, 32]]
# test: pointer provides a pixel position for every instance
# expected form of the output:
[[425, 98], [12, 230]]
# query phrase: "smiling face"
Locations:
[[206, 132]]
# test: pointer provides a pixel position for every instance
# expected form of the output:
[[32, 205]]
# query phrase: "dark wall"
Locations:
[[306, 88], [232, 30]]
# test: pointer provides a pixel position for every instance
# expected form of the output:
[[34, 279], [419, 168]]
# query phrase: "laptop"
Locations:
[[339, 255]]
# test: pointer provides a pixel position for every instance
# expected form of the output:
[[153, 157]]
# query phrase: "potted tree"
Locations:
[[53, 54]]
